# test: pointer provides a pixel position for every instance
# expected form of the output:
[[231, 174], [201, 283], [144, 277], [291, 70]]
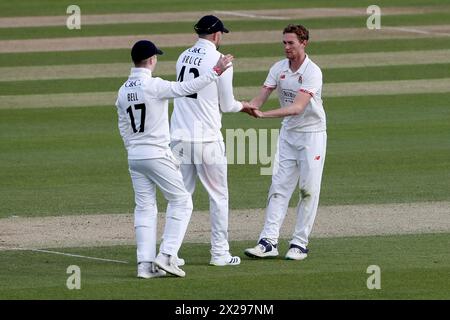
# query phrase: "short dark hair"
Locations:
[[301, 32]]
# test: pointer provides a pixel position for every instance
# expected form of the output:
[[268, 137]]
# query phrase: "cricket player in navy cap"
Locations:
[[195, 131], [142, 107]]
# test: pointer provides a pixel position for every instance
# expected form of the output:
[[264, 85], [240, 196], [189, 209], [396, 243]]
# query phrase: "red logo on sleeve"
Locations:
[[317, 158]]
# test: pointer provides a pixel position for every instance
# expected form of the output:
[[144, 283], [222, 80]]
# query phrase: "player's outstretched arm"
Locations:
[[248, 108], [173, 89], [256, 103], [297, 107], [262, 97]]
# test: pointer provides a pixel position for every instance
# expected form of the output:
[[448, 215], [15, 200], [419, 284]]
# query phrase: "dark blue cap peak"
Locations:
[[209, 24]]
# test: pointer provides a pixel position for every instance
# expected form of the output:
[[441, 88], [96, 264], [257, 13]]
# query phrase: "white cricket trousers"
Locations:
[[301, 157], [208, 162], [164, 173]]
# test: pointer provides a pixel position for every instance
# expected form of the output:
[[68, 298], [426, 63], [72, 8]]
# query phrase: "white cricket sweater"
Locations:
[[198, 118], [142, 108]]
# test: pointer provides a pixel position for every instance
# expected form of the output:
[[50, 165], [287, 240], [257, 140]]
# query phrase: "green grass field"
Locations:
[[337, 269], [382, 149], [58, 7], [78, 151], [335, 75], [435, 18], [239, 51]]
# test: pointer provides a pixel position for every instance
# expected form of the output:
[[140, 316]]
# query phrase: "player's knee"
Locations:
[[182, 202], [143, 202], [219, 200], [277, 190], [180, 210], [144, 216], [308, 192], [145, 207]]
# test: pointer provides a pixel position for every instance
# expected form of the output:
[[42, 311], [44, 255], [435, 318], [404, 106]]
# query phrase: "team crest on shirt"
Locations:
[[282, 77], [300, 80]]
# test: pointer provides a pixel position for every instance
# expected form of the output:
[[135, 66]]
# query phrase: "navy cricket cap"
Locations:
[[144, 49], [209, 24]]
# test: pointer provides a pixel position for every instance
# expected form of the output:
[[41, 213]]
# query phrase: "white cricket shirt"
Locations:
[[142, 107], [198, 118], [308, 78]]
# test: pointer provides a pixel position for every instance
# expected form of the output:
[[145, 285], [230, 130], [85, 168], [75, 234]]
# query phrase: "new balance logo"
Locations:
[[317, 158]]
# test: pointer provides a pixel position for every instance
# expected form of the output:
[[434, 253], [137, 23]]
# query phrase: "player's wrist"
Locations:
[[217, 70]]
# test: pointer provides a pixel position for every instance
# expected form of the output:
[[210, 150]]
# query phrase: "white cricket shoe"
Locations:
[[147, 270], [296, 252], [180, 262], [169, 264], [263, 249], [228, 260]]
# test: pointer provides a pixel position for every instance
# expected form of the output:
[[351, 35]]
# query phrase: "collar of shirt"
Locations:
[[300, 70], [205, 43], [139, 72]]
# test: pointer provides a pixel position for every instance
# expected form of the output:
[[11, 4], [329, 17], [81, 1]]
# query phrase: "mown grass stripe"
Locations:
[[166, 27], [360, 74], [330, 90], [110, 70], [239, 51], [375, 88], [255, 78], [175, 40], [229, 15], [49, 7]]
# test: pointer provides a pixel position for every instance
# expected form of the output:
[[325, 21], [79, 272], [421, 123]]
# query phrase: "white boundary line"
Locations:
[[64, 254], [248, 15]]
